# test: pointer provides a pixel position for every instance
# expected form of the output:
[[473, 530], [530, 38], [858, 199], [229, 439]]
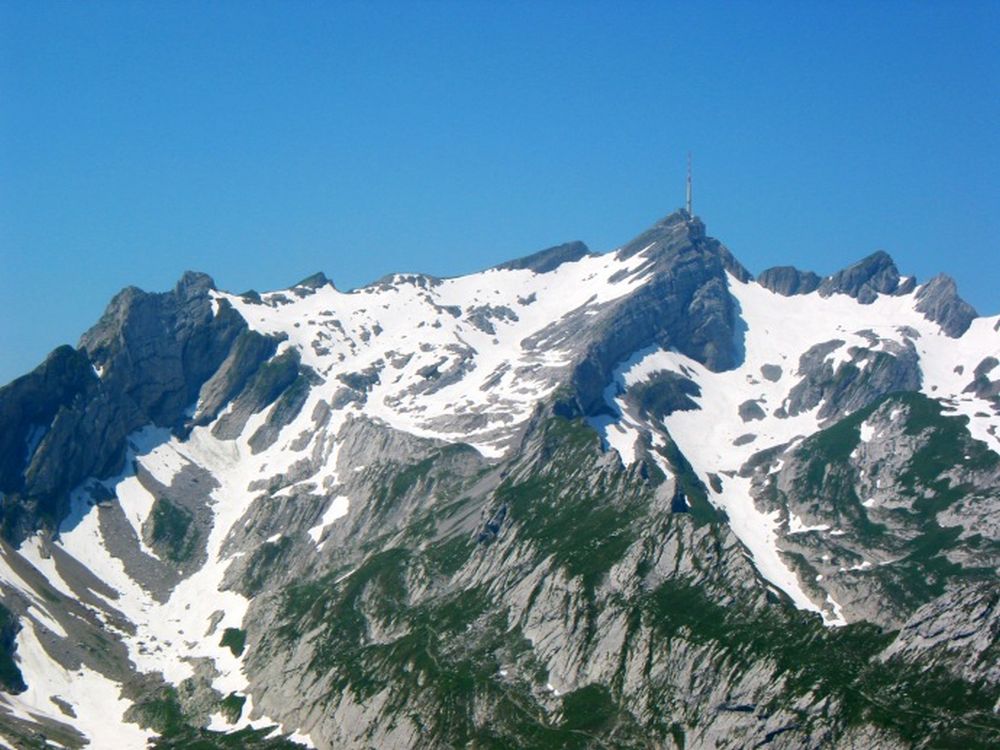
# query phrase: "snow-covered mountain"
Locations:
[[624, 499]]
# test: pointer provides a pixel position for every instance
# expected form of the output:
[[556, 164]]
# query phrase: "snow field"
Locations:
[[338, 332]]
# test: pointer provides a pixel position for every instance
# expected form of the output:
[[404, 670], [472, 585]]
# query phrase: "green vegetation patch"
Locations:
[[235, 639], [232, 707], [447, 557], [584, 516], [591, 709], [701, 510], [948, 444], [11, 678], [430, 474], [172, 534], [190, 738], [575, 507], [160, 712]]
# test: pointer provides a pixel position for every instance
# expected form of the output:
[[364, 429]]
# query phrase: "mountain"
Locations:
[[631, 499]]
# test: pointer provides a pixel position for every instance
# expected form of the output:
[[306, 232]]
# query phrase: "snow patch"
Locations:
[[796, 526], [866, 432], [337, 509], [94, 698], [837, 619]]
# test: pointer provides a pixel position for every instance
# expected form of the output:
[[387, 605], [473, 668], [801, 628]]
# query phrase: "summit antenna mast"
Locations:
[[688, 202]]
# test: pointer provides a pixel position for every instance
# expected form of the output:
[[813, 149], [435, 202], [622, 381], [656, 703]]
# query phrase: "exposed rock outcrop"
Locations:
[[549, 259], [788, 280], [61, 424], [144, 362], [854, 384], [866, 279], [158, 349], [685, 305], [959, 630], [938, 300], [887, 508]]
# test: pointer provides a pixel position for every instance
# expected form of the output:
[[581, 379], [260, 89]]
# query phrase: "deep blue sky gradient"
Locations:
[[260, 142]]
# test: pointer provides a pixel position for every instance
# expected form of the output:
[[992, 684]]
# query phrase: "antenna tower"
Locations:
[[688, 202]]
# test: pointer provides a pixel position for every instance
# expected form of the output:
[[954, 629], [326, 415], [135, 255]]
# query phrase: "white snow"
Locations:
[[170, 634], [863, 565], [31, 551], [38, 606], [758, 531], [136, 502], [618, 435], [40, 614], [941, 355], [337, 509], [796, 526], [159, 454], [867, 431], [506, 375], [837, 619], [95, 699]]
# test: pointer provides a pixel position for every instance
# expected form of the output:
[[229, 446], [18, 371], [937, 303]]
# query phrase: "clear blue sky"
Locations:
[[260, 142]]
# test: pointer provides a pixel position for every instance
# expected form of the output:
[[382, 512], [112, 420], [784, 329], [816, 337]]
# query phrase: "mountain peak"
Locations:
[[549, 259], [938, 300], [788, 280], [315, 281], [680, 216], [670, 234], [193, 283], [864, 280], [678, 232]]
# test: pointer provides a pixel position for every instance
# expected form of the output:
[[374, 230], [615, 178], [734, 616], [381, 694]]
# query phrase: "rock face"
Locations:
[[549, 259], [958, 631], [624, 500], [874, 275], [788, 280], [11, 679], [889, 508], [685, 305], [145, 362], [157, 350], [938, 300], [593, 623], [60, 425], [315, 281], [853, 384]]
